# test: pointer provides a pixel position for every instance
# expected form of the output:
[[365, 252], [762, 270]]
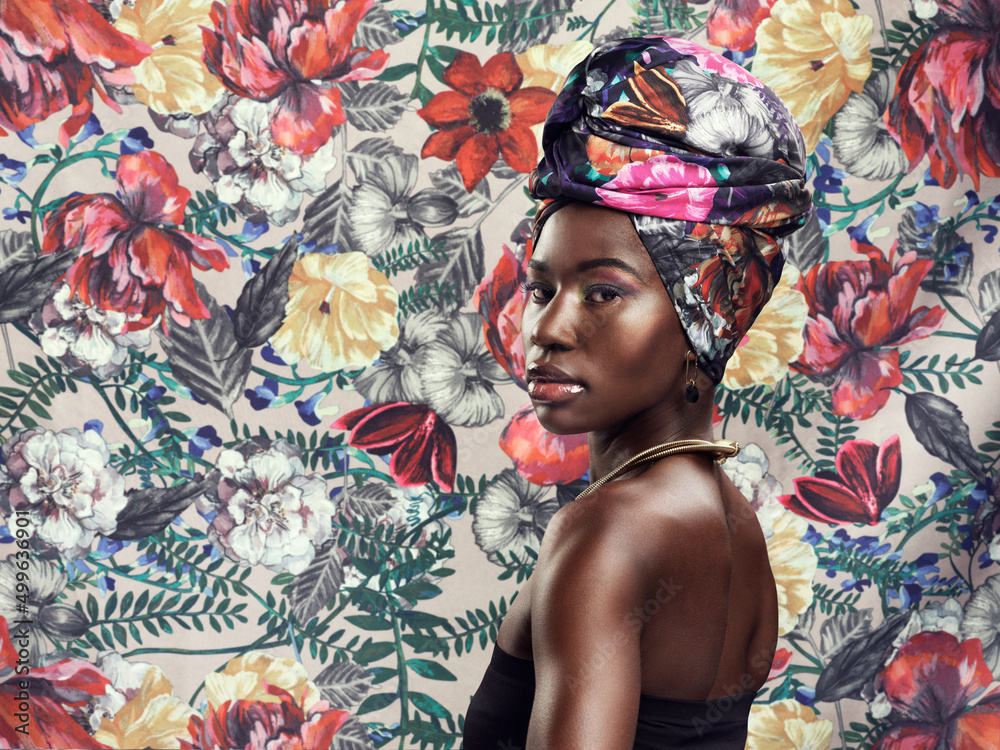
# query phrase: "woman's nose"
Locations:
[[555, 326]]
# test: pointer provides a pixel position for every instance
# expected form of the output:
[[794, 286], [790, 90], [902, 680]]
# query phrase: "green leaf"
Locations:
[[430, 669], [377, 702], [373, 652], [428, 705], [396, 72], [369, 622]]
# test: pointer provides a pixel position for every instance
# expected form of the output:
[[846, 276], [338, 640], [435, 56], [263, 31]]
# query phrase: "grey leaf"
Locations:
[[344, 684], [545, 18], [376, 30], [839, 630], [24, 286], [376, 106], [370, 500], [15, 247], [931, 243], [463, 264], [352, 735], [989, 293], [449, 182], [988, 343], [150, 511], [316, 586], [806, 246], [326, 217], [805, 624], [938, 425], [261, 306], [206, 357], [368, 156], [858, 661]]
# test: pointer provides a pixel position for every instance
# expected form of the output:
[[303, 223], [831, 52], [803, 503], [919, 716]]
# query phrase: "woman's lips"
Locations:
[[552, 392]]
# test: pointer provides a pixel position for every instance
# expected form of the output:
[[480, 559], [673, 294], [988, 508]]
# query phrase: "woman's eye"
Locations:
[[538, 292], [602, 294]]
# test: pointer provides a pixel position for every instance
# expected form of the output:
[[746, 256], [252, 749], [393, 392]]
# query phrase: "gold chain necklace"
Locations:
[[723, 448]]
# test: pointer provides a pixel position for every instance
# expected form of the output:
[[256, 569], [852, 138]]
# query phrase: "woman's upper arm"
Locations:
[[585, 633]]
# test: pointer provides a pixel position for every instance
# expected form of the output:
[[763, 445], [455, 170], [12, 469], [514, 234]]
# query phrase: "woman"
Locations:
[[668, 177]]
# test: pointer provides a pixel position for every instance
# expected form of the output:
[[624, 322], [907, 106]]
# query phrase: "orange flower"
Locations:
[[486, 116]]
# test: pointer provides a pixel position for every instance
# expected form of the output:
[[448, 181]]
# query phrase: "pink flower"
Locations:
[[859, 311], [540, 456], [662, 186], [133, 258], [50, 51], [291, 51], [499, 298]]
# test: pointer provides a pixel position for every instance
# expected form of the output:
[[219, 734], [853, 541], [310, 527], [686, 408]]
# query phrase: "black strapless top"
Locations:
[[497, 718]]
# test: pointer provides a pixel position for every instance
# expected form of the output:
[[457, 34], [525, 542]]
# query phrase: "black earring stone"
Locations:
[[691, 393]]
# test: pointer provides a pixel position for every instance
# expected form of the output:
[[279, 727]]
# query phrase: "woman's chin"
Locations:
[[558, 424]]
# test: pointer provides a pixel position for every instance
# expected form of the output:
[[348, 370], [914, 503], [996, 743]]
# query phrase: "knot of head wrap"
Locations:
[[706, 160]]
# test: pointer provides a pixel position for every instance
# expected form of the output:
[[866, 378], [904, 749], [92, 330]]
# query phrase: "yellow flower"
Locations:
[[173, 79], [793, 563], [788, 725], [774, 340], [340, 313], [547, 65], [153, 718], [244, 678], [813, 54]]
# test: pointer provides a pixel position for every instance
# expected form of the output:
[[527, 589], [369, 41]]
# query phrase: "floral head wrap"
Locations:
[[706, 160]]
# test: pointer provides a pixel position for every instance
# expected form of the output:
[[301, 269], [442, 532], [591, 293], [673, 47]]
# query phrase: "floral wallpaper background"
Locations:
[[268, 470]]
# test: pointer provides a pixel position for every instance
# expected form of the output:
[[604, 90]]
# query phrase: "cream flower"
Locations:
[[813, 54], [547, 65], [793, 563], [774, 339], [246, 677], [152, 717], [788, 725], [340, 313], [173, 79]]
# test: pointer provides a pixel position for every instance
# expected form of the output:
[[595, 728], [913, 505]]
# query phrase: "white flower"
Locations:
[[63, 481], [126, 679], [925, 8], [748, 471], [270, 512], [512, 514], [86, 339], [861, 139], [263, 181], [982, 621]]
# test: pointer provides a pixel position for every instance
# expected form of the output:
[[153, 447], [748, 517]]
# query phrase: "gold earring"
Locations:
[[691, 390]]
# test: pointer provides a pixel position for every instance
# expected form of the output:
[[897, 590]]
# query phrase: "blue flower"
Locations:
[[307, 409], [94, 424], [269, 355], [806, 695], [924, 215], [262, 395], [5, 535], [829, 179], [91, 127], [203, 440], [105, 583], [136, 140], [108, 547], [12, 214], [18, 170]]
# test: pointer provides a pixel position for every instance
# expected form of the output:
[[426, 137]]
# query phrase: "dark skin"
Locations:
[[657, 583]]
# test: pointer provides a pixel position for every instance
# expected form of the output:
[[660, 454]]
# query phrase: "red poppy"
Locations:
[[487, 115], [499, 298], [292, 51], [37, 700], [50, 51], [240, 724], [421, 443], [947, 98], [931, 683], [540, 456], [866, 481], [858, 311], [133, 258], [733, 23], [782, 658]]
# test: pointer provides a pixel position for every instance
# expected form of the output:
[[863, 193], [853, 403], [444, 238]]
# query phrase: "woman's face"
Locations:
[[602, 342]]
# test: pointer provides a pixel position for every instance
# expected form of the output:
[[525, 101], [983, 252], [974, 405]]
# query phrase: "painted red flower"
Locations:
[[782, 658], [283, 725], [499, 299], [932, 683], [37, 700], [292, 51], [866, 481], [733, 23], [54, 54], [947, 98], [421, 443], [859, 311], [487, 115], [132, 257], [540, 456]]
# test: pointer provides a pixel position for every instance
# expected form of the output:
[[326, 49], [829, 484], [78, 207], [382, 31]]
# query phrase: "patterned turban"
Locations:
[[705, 159]]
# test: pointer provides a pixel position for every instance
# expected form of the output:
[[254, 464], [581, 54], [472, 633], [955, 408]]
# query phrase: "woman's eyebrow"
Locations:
[[586, 265]]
